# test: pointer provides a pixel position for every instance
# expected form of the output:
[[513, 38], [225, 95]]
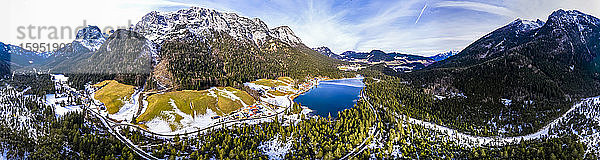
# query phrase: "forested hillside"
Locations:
[[221, 60], [528, 71], [124, 52], [524, 58], [31, 129]]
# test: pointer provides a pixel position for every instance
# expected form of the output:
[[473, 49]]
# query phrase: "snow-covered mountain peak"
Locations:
[[285, 34], [562, 18], [161, 26], [3, 48], [89, 32], [90, 37], [445, 55], [527, 25], [323, 49], [327, 52]]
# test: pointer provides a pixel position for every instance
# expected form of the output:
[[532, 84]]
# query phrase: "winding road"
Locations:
[[476, 141], [495, 141], [470, 140], [108, 124], [362, 146]]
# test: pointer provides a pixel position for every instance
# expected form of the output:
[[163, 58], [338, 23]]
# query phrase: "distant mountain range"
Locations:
[[397, 61], [17, 57], [326, 51], [443, 56], [80, 55], [21, 60]]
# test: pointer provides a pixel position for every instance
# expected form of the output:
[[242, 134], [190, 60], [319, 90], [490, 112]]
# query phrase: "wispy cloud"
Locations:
[[477, 6]]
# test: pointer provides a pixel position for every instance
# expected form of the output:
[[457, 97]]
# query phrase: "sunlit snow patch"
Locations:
[[188, 123], [59, 110], [275, 148]]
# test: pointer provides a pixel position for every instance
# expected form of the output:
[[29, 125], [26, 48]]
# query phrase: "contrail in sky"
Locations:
[[421, 13]]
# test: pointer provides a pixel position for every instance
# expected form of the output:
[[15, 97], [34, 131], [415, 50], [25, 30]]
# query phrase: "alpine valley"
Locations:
[[199, 83], [398, 62]]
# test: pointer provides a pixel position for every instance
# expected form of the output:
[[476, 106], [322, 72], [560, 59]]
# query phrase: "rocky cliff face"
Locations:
[[199, 22], [90, 37]]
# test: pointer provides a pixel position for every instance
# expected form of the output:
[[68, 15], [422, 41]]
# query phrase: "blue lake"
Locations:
[[332, 96]]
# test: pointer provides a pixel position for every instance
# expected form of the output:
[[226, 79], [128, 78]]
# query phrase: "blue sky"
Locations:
[[391, 25], [423, 27]]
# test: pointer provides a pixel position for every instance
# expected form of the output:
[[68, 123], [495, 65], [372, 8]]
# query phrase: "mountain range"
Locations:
[[236, 50], [397, 61], [443, 56], [21, 60], [187, 25], [17, 57]]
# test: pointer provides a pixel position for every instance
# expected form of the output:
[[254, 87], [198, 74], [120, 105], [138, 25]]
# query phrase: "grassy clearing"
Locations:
[[113, 94], [276, 93], [102, 83], [195, 103], [245, 97], [287, 80], [270, 82], [279, 82]]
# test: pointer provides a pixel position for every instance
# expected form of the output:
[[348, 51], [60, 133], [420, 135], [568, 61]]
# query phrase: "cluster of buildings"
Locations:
[[251, 111], [310, 82], [354, 67]]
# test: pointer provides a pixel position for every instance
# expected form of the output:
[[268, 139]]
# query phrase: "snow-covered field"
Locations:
[[189, 123], [59, 110], [128, 112], [60, 101], [281, 101], [276, 148], [168, 122], [59, 78]]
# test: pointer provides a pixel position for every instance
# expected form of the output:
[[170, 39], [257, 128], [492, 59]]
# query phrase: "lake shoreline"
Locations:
[[294, 96], [344, 92]]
